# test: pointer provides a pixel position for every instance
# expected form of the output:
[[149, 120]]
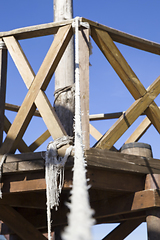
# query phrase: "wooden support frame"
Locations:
[[123, 230], [19, 224], [35, 92], [133, 84]]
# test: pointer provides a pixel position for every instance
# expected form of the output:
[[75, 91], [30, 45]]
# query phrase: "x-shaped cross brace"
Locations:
[[144, 98], [36, 84]]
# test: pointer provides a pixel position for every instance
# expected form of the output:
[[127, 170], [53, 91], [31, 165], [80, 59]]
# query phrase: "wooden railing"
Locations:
[[37, 84]]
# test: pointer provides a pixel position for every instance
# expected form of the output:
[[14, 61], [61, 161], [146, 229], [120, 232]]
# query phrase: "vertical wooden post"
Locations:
[[3, 74], [84, 82], [64, 78], [153, 215], [64, 74]]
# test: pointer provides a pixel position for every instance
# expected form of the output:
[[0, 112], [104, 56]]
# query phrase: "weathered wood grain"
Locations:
[[84, 83], [96, 158], [125, 121], [40, 82], [129, 78], [22, 146], [36, 31], [127, 39], [140, 131]]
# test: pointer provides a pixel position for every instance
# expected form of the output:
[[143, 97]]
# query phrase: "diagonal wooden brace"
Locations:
[[111, 52], [125, 121], [35, 93]]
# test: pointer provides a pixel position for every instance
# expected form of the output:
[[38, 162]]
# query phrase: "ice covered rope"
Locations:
[[54, 174], [80, 218]]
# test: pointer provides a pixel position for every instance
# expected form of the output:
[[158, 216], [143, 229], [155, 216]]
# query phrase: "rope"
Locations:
[[80, 217], [59, 91], [54, 174]]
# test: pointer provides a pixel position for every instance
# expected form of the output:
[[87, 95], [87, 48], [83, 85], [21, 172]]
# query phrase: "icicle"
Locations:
[[80, 217], [54, 174]]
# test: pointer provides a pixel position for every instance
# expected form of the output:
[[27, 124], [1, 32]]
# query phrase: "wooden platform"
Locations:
[[119, 190]]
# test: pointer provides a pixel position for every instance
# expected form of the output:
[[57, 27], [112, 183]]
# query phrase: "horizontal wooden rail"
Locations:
[[36, 31], [52, 28], [127, 39], [92, 117]]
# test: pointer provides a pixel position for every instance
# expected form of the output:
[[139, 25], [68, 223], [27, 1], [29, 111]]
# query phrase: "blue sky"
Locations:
[[107, 92]]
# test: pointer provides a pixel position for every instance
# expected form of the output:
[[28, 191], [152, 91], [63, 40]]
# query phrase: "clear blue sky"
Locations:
[[107, 92]]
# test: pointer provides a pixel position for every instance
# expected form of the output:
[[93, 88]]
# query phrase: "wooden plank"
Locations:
[[36, 31], [84, 83], [96, 158], [117, 61], [22, 146], [140, 131], [127, 39], [99, 179], [133, 205], [3, 74], [28, 76], [94, 132], [105, 159], [15, 108], [19, 224], [40, 82], [124, 122], [123, 229], [39, 141], [125, 72], [102, 116]]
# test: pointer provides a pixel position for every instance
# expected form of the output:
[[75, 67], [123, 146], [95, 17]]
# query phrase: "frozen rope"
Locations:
[[80, 218], [54, 174], [59, 91], [1, 163]]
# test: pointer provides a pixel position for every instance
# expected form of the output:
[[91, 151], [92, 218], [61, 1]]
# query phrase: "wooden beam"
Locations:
[[123, 162], [124, 71], [128, 77], [127, 206], [125, 38], [84, 83], [39, 141], [27, 180], [40, 83], [94, 132], [15, 108], [19, 224], [124, 122], [140, 131], [123, 230], [22, 146], [3, 74], [96, 158], [37, 30]]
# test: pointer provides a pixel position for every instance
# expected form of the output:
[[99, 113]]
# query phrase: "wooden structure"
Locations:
[[125, 188]]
